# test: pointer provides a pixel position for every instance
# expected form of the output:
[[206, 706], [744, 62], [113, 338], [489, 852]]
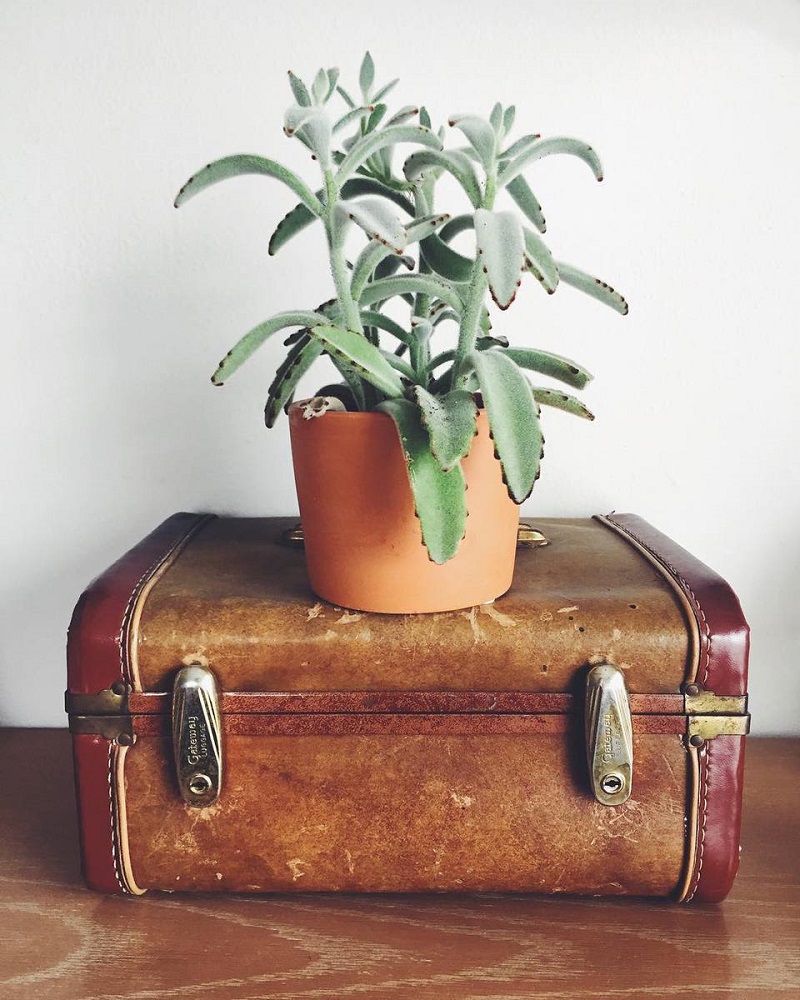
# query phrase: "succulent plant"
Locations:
[[387, 364]]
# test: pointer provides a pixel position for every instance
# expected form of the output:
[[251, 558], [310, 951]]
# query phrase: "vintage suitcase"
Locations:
[[583, 734]]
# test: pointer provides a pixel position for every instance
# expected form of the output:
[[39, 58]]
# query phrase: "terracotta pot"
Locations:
[[362, 537]]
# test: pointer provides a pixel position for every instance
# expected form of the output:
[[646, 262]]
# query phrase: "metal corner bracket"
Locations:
[[102, 714], [709, 715]]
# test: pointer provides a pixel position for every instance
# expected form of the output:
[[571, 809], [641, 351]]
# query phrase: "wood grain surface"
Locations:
[[57, 940]]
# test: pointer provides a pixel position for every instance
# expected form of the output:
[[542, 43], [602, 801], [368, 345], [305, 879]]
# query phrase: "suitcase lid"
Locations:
[[231, 594]]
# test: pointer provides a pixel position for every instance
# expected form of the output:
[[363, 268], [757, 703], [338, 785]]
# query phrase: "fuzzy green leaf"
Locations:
[[520, 146], [363, 357], [540, 261], [300, 217], [291, 224], [444, 260], [240, 165], [252, 340], [546, 147], [320, 86], [501, 248], [333, 79], [379, 221], [450, 422], [376, 117], [496, 117], [348, 100], [479, 134], [458, 224], [369, 318], [508, 119], [368, 145], [366, 75], [513, 417], [404, 114], [439, 497], [297, 362], [482, 344], [419, 164], [520, 191], [385, 89], [399, 365], [391, 264], [562, 401], [299, 89], [553, 365], [353, 115], [374, 252], [313, 126], [592, 286], [403, 284]]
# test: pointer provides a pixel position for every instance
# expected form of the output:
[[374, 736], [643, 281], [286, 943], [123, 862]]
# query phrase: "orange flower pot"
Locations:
[[363, 540]]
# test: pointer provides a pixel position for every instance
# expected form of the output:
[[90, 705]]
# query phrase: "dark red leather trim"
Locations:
[[93, 758], [724, 651], [717, 853], [724, 633], [97, 632], [95, 660]]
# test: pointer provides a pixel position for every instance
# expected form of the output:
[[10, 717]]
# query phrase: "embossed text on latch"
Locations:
[[197, 735], [609, 735]]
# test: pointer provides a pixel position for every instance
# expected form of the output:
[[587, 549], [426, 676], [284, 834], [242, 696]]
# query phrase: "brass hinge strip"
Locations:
[[110, 727], [102, 714], [706, 727], [109, 701], [709, 715], [528, 536]]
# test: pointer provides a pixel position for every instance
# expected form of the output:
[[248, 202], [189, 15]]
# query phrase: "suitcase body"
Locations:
[[582, 734]]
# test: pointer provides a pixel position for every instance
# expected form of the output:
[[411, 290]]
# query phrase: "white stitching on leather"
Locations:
[[704, 809], [705, 650], [126, 617], [112, 814]]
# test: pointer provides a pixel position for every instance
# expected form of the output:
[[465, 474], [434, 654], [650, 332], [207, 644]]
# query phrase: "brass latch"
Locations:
[[609, 735], [197, 735], [709, 715], [528, 537]]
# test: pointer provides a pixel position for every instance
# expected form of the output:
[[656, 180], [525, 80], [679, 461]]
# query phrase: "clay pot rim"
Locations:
[[363, 414]]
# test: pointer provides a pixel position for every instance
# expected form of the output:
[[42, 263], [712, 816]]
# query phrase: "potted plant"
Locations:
[[410, 470]]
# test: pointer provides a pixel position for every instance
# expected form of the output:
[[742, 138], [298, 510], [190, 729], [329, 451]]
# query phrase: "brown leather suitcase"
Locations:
[[583, 734]]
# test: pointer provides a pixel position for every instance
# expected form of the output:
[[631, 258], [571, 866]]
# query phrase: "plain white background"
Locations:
[[115, 308]]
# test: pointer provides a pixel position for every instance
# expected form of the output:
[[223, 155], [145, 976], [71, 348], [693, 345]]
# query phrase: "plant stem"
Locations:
[[339, 272], [470, 321], [423, 206], [471, 316]]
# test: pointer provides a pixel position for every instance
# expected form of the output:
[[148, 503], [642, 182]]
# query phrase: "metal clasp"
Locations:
[[197, 735], [609, 735]]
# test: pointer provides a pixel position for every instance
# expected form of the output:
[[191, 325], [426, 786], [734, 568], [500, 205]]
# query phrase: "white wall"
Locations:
[[115, 308]]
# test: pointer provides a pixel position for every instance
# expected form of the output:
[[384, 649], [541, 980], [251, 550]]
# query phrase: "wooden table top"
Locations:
[[57, 940]]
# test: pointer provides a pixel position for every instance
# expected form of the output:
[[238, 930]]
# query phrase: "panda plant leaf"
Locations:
[[378, 328]]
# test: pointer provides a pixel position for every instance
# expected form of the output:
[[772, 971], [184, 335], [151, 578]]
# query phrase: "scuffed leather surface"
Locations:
[[240, 600], [410, 702], [408, 813]]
